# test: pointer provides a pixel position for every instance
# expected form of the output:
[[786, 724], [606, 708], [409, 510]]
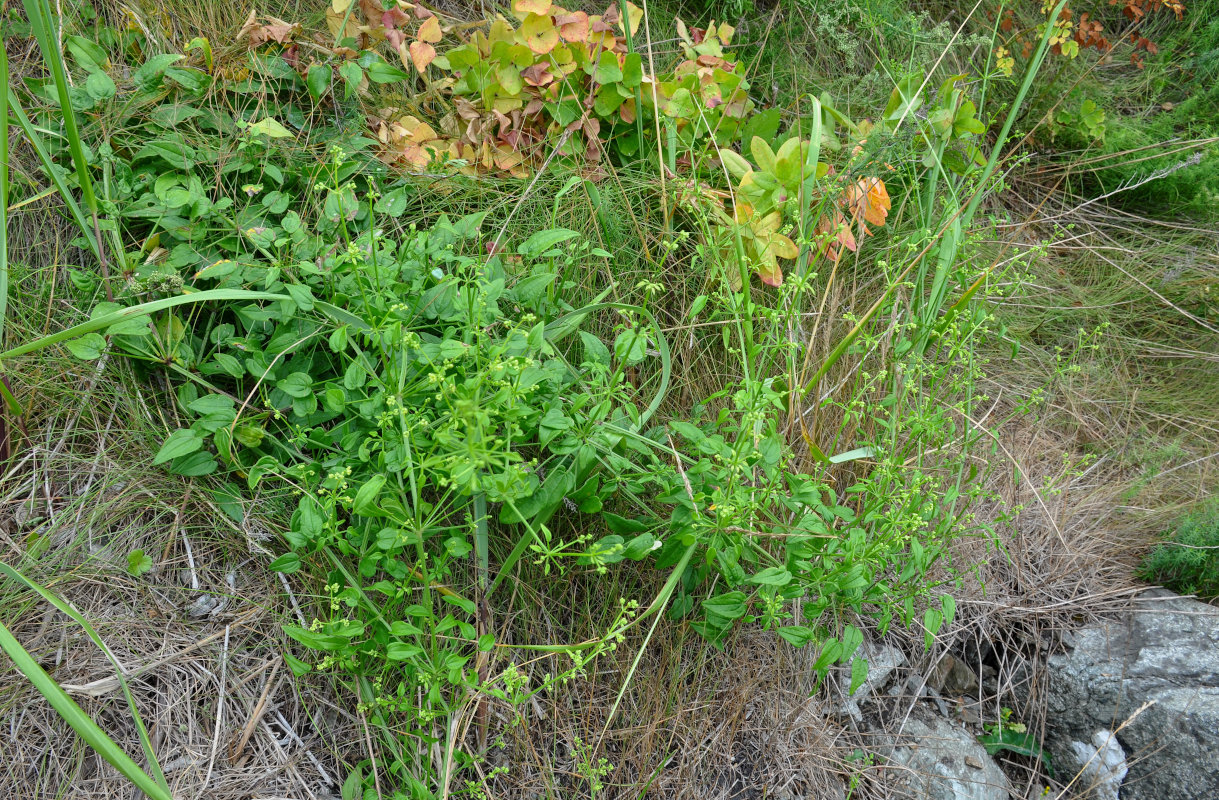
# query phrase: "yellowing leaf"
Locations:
[[269, 126], [762, 154], [540, 34], [735, 163], [531, 6], [429, 31], [635, 14], [422, 54], [783, 247]]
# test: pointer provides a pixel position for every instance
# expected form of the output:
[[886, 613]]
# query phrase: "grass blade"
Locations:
[[42, 23], [44, 156], [75, 716], [106, 320], [145, 740]]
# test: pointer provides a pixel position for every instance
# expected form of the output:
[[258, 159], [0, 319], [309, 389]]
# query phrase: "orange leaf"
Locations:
[[869, 200], [429, 31], [422, 54]]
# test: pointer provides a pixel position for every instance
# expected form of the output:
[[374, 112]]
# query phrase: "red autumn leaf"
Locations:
[[394, 18]]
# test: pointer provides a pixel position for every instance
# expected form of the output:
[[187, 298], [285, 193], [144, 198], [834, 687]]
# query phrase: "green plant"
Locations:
[[1187, 561], [433, 410], [1014, 737]]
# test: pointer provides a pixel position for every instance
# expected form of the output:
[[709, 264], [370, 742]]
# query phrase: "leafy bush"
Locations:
[[1188, 560]]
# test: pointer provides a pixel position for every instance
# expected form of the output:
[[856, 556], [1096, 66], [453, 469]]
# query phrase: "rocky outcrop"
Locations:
[[1141, 695], [935, 759]]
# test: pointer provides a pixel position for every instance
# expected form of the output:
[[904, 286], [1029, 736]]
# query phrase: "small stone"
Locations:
[[974, 762]]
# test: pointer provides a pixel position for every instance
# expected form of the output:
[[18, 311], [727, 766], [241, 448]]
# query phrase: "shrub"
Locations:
[[1187, 561]]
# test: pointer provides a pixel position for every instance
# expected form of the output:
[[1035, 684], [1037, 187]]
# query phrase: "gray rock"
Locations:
[[1152, 677], [883, 661], [937, 760], [1104, 764]]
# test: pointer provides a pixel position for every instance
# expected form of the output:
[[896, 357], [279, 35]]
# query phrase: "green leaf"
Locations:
[[630, 347], [542, 241], [730, 605], [607, 69], [772, 576], [88, 347], [382, 72], [296, 385], [933, 619], [682, 105], [287, 563], [595, 351], [138, 562], [859, 674], [179, 443], [796, 635], [365, 500], [318, 81], [153, 68], [905, 98], [1024, 744], [100, 86], [352, 75], [632, 70], [400, 651], [393, 202], [194, 465]]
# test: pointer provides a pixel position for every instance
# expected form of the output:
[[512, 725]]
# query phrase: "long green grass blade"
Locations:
[[150, 755], [48, 166], [151, 307], [3, 191], [43, 26], [75, 716]]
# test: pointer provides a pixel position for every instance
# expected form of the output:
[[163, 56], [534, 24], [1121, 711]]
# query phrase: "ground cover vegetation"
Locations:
[[478, 314]]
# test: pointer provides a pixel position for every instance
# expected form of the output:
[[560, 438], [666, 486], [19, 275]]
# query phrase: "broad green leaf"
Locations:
[[179, 443], [138, 562], [88, 347], [194, 465], [366, 498], [287, 563], [859, 674], [771, 576], [730, 605]]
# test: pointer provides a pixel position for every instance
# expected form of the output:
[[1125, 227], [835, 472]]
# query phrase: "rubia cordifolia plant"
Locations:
[[430, 412]]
